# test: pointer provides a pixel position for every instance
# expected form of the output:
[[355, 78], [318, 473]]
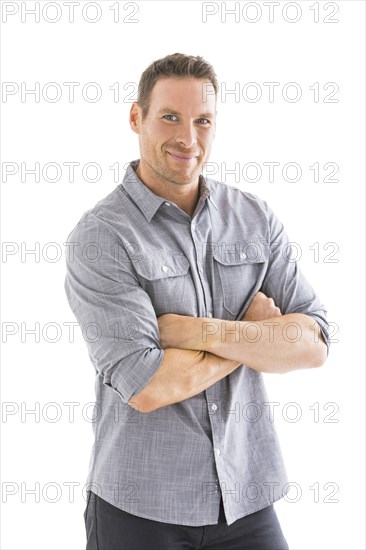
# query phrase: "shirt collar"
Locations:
[[144, 198]]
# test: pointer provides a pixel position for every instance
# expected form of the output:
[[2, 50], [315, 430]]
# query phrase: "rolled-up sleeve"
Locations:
[[284, 281], [115, 314]]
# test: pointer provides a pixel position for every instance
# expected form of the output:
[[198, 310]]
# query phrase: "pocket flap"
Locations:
[[250, 253], [162, 266]]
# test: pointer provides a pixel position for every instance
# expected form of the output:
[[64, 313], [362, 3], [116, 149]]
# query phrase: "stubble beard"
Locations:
[[168, 176]]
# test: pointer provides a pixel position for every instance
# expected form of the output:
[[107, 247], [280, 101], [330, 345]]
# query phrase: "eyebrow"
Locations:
[[174, 112]]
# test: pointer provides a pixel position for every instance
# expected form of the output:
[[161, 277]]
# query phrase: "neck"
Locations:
[[184, 196]]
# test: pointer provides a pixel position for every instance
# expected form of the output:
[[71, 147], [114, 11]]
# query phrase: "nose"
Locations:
[[187, 135]]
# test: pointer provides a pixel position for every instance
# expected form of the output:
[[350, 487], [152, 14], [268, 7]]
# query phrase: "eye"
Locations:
[[206, 121], [174, 116]]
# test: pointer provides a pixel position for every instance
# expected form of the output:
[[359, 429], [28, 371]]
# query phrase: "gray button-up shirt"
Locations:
[[135, 256]]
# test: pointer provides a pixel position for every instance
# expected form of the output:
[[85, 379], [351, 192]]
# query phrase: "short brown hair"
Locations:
[[175, 65]]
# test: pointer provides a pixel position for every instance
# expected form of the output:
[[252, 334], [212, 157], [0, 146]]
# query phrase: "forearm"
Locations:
[[182, 374], [279, 344]]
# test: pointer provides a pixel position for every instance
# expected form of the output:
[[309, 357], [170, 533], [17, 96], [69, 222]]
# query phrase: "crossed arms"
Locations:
[[200, 351], [151, 363]]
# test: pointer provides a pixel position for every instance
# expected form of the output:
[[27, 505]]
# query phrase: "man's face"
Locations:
[[177, 134]]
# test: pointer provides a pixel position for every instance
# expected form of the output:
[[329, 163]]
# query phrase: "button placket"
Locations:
[[197, 240], [217, 486]]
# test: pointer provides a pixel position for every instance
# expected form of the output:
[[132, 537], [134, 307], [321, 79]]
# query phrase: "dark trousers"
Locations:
[[109, 528]]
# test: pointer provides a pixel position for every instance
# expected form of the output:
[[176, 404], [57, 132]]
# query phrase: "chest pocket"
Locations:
[[166, 278], [240, 276]]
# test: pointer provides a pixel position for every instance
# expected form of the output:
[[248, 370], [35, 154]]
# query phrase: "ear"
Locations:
[[135, 117]]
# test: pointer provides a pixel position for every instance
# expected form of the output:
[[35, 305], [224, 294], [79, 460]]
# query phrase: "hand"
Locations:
[[260, 308]]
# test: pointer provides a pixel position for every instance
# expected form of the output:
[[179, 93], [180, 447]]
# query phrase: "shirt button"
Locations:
[[214, 407], [218, 452], [165, 268], [243, 255], [167, 203]]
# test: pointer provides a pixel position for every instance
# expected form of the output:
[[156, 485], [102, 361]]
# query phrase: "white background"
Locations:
[[47, 456]]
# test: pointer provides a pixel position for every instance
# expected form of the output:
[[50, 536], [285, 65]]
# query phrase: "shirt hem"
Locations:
[[193, 524]]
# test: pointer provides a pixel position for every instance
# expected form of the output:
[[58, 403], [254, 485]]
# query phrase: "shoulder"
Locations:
[[236, 199], [100, 217]]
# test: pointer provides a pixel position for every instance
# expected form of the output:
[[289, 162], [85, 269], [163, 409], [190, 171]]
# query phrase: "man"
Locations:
[[185, 295]]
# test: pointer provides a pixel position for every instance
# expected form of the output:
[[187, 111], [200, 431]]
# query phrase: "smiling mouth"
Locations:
[[181, 158]]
